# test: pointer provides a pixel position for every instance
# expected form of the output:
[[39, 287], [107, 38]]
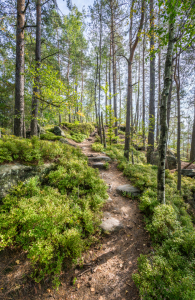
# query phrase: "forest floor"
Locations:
[[107, 266]]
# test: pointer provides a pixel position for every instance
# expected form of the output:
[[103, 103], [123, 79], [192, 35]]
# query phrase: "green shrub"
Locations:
[[97, 147], [57, 221], [83, 128], [49, 136], [32, 151]]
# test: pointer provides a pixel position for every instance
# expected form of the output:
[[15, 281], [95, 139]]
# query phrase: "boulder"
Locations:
[[58, 131], [128, 189], [10, 175], [171, 160], [188, 172], [65, 141]]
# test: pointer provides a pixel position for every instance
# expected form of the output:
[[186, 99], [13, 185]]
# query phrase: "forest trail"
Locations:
[[107, 266]]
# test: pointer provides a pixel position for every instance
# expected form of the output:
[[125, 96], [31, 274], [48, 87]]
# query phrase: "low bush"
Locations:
[[32, 151], [77, 128], [56, 222], [50, 136]]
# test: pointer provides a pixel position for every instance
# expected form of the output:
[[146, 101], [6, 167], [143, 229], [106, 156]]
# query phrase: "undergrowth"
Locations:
[[29, 151], [168, 272], [54, 223]]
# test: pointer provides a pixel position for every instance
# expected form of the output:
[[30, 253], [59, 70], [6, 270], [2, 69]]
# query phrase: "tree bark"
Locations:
[[163, 115], [177, 81], [114, 66], [19, 81], [129, 91], [143, 99], [192, 151], [36, 88], [150, 148]]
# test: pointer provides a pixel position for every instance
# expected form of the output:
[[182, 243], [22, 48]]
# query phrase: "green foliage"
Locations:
[[49, 136], [97, 147], [173, 235], [83, 128], [56, 222], [29, 151], [111, 122]]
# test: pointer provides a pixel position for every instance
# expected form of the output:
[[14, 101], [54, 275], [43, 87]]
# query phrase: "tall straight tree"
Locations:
[[177, 82], [133, 46], [114, 64], [36, 87], [163, 112], [19, 81], [192, 151], [150, 148]]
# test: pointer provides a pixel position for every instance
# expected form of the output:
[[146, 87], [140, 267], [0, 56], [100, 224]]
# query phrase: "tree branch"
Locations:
[[49, 55]]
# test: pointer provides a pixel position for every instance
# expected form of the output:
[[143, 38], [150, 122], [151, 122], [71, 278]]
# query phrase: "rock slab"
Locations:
[[188, 172], [98, 165], [110, 224], [129, 189], [10, 175], [99, 158]]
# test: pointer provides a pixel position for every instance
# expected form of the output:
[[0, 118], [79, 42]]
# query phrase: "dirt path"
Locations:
[[108, 266]]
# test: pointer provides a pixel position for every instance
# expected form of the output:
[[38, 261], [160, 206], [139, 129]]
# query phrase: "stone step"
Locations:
[[98, 165], [99, 158], [128, 189]]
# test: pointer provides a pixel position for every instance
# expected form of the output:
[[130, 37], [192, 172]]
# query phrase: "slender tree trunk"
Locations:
[[163, 115], [96, 112], [150, 148], [114, 67], [119, 92], [169, 102], [19, 81], [100, 52], [109, 74], [177, 81], [36, 87], [143, 91], [129, 91], [81, 118], [106, 100], [192, 151], [159, 94]]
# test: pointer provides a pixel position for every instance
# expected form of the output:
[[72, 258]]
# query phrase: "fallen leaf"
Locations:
[[17, 261], [126, 292], [39, 286], [78, 285], [76, 271], [35, 290], [101, 298], [121, 265], [92, 290], [48, 290], [130, 262]]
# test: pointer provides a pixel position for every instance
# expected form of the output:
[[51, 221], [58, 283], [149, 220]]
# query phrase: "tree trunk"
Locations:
[[19, 81], [163, 115], [129, 91], [114, 67], [159, 95], [106, 100], [150, 148], [177, 81], [169, 102], [144, 105], [119, 92], [96, 112], [192, 151], [100, 52], [36, 88]]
